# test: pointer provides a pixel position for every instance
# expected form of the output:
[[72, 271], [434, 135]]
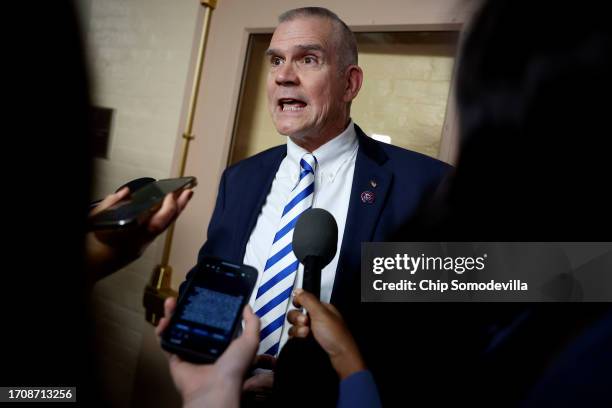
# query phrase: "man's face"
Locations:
[[306, 92]]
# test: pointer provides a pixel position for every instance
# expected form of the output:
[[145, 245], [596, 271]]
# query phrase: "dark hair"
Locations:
[[533, 93], [533, 89]]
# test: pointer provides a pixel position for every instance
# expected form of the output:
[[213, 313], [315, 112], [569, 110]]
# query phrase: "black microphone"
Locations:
[[315, 239], [133, 185]]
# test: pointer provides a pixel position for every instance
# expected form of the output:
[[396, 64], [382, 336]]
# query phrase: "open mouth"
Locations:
[[291, 105]]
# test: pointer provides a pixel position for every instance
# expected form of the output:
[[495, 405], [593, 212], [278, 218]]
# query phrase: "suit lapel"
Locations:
[[262, 180], [371, 185]]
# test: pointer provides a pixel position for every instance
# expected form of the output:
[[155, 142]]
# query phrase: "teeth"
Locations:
[[291, 108]]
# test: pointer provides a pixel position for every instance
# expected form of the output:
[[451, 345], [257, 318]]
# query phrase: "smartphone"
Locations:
[[140, 205], [208, 314]]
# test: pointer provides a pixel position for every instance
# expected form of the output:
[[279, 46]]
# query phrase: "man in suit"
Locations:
[[328, 162]]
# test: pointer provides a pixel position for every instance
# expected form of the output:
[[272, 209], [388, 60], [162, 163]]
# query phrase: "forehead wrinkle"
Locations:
[[311, 47]]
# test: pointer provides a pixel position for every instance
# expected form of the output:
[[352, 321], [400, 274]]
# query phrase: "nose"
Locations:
[[286, 75]]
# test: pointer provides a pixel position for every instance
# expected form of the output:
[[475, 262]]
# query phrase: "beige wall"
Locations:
[[139, 55], [407, 78], [254, 130]]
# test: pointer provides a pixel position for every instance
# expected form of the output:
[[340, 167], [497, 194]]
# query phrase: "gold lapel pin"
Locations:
[[373, 183]]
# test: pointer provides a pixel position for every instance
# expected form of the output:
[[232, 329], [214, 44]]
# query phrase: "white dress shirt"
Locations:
[[333, 182]]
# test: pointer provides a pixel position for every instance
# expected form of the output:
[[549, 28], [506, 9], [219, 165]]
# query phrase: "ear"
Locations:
[[354, 79]]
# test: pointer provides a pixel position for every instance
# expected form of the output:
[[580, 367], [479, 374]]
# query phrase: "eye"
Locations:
[[309, 59], [276, 61]]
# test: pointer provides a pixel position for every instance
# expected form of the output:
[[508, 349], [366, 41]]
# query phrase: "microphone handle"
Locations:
[[312, 276]]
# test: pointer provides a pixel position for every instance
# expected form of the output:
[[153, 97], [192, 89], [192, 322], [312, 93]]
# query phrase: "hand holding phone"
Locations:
[[198, 384], [208, 313], [109, 249], [140, 205]]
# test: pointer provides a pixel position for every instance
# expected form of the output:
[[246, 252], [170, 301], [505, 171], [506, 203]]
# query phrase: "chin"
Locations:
[[288, 129]]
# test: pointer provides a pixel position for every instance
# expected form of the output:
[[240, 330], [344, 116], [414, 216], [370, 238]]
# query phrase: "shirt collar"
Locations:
[[330, 156]]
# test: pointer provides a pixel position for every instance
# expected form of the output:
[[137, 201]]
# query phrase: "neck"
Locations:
[[311, 143]]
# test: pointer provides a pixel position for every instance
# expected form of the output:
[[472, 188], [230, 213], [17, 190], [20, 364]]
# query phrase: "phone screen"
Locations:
[[210, 310]]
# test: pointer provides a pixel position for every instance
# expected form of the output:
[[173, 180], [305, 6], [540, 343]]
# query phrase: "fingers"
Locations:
[[169, 306], [307, 300], [171, 208], [251, 327], [161, 326], [239, 355], [296, 317], [299, 331], [262, 382], [111, 200], [183, 199], [299, 323], [164, 216], [265, 361]]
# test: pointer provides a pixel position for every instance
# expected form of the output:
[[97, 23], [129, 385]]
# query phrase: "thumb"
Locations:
[[306, 299], [251, 324], [110, 200]]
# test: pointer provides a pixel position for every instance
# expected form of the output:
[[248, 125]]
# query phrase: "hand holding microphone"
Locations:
[[314, 243], [328, 328], [321, 350]]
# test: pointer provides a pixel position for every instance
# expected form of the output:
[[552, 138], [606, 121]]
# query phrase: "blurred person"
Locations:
[[533, 83], [49, 266], [532, 89]]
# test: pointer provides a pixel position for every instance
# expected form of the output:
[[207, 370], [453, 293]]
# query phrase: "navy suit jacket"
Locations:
[[402, 180]]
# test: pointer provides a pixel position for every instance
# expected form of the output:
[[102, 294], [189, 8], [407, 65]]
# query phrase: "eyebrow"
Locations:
[[301, 47]]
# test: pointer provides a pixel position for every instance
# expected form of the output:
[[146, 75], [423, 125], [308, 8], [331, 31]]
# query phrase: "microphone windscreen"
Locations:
[[315, 234]]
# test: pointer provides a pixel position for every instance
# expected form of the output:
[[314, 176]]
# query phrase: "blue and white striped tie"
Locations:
[[281, 267]]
